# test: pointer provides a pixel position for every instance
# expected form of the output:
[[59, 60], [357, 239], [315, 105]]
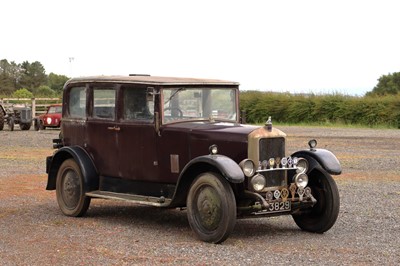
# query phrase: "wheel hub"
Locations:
[[71, 189], [209, 208]]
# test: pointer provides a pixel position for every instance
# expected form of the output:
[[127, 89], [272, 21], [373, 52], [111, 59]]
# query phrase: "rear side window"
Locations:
[[138, 105], [77, 102], [104, 103]]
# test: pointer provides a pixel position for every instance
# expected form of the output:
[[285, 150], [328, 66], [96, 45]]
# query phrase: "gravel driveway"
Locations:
[[34, 232]]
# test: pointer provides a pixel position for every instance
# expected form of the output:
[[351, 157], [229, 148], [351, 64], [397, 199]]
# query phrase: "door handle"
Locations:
[[115, 128]]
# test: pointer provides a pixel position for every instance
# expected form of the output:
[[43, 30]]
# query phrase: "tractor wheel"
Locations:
[[25, 126], [11, 123], [1, 120]]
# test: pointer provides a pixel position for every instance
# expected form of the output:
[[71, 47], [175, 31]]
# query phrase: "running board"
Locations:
[[145, 200]]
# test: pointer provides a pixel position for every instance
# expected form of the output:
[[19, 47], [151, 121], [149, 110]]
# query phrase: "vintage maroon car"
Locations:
[[52, 117], [177, 142]]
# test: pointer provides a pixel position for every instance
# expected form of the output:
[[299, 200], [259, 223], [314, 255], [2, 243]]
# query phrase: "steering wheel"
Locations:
[[174, 111]]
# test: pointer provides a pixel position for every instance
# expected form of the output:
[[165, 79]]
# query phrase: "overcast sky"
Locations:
[[289, 46]]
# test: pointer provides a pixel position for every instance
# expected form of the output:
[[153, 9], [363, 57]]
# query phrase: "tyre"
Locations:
[[11, 124], [25, 126], [70, 189], [1, 119], [36, 124], [41, 125], [211, 208], [324, 213]]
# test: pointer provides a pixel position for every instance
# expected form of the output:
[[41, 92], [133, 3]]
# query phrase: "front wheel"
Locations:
[[36, 124], [25, 126], [211, 208], [324, 213], [70, 189]]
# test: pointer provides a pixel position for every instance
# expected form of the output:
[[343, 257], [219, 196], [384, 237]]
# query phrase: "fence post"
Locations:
[[33, 108]]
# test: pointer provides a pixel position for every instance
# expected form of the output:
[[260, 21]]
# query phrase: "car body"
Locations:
[[178, 143], [51, 119]]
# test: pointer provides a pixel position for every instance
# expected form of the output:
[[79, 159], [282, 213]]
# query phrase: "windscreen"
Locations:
[[214, 104]]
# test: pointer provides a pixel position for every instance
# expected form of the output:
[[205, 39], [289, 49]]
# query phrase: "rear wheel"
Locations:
[[41, 125], [11, 123], [1, 119], [211, 208], [324, 213], [25, 126], [70, 189]]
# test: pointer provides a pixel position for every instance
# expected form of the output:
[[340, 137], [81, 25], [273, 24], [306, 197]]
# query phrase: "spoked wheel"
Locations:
[[211, 208], [324, 213], [70, 189]]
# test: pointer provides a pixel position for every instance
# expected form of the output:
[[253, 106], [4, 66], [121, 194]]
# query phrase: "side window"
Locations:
[[77, 102], [104, 103], [137, 104]]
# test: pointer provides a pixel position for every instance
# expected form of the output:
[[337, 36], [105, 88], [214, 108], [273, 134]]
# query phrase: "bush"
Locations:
[[322, 109], [45, 92], [22, 93]]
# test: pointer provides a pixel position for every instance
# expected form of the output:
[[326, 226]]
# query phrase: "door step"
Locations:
[[145, 200]]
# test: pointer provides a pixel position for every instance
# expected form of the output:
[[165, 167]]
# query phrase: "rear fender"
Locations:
[[81, 157], [321, 157]]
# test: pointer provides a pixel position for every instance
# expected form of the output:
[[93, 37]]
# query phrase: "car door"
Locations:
[[137, 135], [102, 143]]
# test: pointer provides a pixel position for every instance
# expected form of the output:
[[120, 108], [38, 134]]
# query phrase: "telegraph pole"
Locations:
[[71, 59]]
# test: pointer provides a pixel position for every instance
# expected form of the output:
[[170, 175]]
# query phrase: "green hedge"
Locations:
[[321, 109]]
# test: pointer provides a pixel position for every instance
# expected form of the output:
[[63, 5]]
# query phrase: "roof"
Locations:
[[154, 80]]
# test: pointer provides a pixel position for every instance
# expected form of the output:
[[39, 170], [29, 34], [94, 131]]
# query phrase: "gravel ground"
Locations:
[[34, 232]]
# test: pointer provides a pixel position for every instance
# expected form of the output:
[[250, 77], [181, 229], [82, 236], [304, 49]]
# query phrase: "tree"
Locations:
[[387, 85], [27, 75], [9, 75], [33, 75], [56, 82]]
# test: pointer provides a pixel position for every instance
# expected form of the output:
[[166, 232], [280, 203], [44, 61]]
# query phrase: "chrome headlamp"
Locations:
[[301, 180], [258, 182], [48, 120], [302, 166], [248, 167]]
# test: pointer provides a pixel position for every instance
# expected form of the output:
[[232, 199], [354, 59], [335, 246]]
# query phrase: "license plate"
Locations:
[[280, 206]]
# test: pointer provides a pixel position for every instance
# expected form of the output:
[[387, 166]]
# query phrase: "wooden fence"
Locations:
[[38, 105]]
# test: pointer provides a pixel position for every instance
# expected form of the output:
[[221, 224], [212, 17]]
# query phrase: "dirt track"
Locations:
[[34, 232]]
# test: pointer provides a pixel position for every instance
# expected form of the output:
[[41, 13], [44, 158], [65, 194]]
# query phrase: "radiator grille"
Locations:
[[273, 148], [25, 114]]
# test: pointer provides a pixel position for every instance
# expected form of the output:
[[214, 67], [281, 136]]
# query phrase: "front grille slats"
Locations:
[[273, 148]]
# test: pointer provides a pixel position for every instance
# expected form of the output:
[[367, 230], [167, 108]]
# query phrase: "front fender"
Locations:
[[89, 171], [226, 166], [325, 158]]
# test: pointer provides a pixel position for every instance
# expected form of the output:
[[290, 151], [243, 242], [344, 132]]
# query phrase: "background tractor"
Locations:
[[16, 114]]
